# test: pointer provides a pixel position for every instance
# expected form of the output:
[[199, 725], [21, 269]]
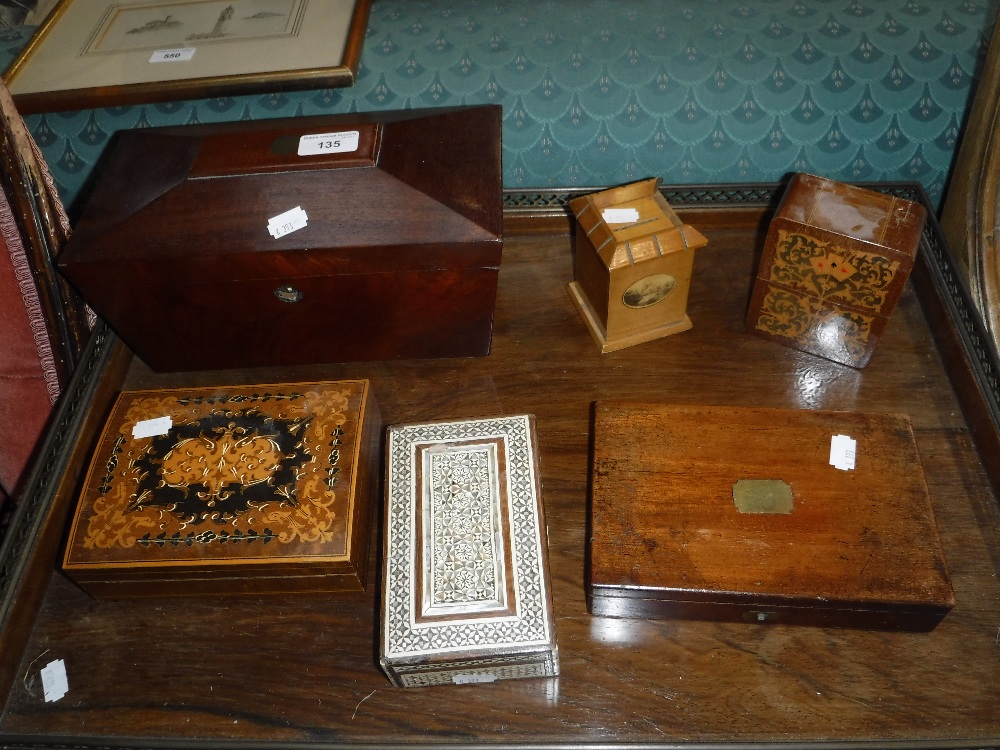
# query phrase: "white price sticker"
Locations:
[[181, 54], [152, 427], [54, 682], [843, 451], [329, 143], [620, 215], [473, 678], [290, 221]]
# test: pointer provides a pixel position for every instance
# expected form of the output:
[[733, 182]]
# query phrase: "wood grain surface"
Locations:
[[854, 546], [302, 668], [399, 259], [836, 259]]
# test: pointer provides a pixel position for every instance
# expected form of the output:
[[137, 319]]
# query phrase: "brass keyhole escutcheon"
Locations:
[[288, 294]]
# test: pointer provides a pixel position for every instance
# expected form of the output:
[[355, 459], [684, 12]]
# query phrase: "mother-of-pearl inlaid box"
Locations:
[[466, 596]]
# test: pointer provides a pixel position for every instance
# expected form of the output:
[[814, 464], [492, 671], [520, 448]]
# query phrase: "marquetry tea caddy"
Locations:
[[835, 262]]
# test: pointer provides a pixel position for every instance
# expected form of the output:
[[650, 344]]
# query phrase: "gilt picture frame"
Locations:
[[88, 54]]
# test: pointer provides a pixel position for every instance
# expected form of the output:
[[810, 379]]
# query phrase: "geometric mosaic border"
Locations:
[[531, 624]]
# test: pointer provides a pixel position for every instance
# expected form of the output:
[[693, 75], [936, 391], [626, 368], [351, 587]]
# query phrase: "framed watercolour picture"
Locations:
[[104, 53]]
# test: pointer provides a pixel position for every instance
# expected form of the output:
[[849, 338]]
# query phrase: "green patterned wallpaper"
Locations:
[[599, 92]]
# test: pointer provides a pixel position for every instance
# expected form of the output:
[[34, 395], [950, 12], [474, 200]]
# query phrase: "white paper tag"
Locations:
[[54, 682], [843, 450], [151, 427], [329, 143], [620, 215], [180, 54], [288, 222], [471, 679]]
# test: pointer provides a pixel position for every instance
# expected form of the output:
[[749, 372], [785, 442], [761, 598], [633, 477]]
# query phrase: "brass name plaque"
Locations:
[[763, 496]]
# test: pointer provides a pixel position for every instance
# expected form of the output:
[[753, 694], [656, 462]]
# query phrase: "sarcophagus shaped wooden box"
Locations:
[[244, 489], [834, 265], [465, 575], [738, 514], [346, 238]]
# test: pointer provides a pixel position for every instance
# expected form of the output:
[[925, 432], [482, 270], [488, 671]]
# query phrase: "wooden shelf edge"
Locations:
[[29, 550], [27, 554]]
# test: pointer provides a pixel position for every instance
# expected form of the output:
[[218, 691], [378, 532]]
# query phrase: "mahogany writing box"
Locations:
[[725, 513], [466, 595], [835, 262], [391, 250], [248, 489]]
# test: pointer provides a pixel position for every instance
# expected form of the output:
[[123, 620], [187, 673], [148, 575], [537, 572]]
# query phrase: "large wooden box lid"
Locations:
[[242, 489], [466, 594], [673, 536], [418, 189]]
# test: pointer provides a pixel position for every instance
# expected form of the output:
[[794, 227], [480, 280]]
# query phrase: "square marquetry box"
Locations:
[[737, 514], [343, 238], [835, 262], [466, 595], [235, 490]]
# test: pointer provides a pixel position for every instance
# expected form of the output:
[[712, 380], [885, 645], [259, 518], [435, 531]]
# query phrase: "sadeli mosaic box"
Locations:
[[466, 595]]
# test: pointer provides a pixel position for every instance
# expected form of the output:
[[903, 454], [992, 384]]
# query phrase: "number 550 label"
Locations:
[[329, 143], [180, 54]]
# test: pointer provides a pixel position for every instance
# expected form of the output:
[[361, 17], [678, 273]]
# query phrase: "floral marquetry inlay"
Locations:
[[265, 466], [832, 273], [215, 463], [803, 318]]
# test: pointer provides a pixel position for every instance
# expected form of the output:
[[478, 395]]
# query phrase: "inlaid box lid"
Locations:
[[465, 577], [228, 489]]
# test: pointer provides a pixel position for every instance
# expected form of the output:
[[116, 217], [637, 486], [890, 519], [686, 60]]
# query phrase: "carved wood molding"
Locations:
[[970, 214]]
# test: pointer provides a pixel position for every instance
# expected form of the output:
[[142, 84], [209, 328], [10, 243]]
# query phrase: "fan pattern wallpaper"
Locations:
[[600, 92]]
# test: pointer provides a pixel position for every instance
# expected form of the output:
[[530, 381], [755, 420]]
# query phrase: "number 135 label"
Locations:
[[329, 143]]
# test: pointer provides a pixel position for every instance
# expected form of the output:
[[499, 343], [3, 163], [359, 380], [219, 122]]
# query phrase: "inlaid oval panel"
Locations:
[[649, 290]]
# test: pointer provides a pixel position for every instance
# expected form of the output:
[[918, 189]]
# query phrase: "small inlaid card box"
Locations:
[[466, 595], [762, 515], [835, 262], [243, 489]]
